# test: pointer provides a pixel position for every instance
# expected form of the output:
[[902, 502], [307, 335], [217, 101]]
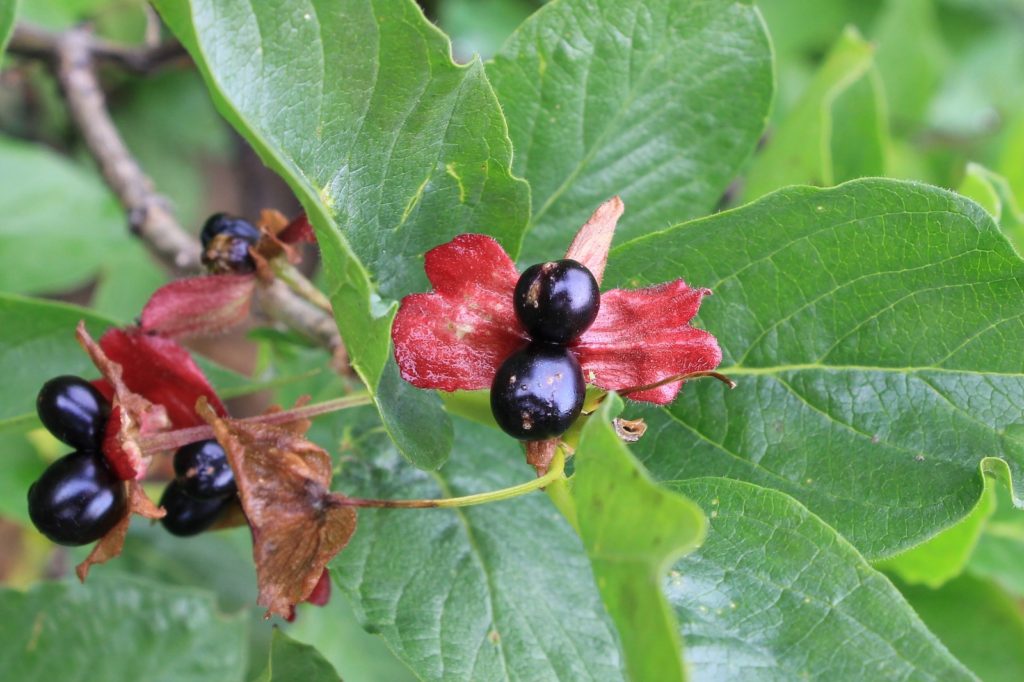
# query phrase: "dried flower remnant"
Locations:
[[284, 485]]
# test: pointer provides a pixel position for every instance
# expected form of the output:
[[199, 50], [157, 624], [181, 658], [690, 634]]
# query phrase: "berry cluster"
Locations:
[[226, 242], [203, 489], [538, 391], [78, 499]]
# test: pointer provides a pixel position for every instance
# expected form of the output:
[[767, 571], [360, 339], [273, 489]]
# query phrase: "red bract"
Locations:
[[457, 336], [198, 306], [163, 372]]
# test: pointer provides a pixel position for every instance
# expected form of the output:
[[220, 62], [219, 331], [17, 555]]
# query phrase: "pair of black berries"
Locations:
[[78, 499], [538, 391], [203, 489]]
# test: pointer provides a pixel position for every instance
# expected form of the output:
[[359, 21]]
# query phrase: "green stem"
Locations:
[[287, 273], [172, 440], [561, 496], [553, 475]]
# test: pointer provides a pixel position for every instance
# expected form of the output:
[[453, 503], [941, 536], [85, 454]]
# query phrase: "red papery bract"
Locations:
[[298, 230], [199, 305], [321, 594], [456, 337], [642, 336], [163, 372]]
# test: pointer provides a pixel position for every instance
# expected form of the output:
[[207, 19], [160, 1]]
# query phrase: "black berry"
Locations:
[[187, 515], [557, 301], [226, 241], [73, 411], [203, 470], [76, 500], [538, 392]]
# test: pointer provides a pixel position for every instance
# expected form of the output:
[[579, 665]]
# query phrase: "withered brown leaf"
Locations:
[[284, 485]]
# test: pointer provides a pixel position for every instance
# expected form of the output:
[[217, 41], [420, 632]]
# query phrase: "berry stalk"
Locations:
[[171, 440], [553, 474]]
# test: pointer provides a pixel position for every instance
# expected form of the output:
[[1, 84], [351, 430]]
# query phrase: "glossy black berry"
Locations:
[[73, 411], [76, 500], [538, 392], [203, 470], [557, 301], [187, 515], [226, 241]]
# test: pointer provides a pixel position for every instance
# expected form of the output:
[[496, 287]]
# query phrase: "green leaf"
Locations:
[[658, 101], [980, 623], [998, 553], [8, 13], [500, 591], [117, 630], [875, 332], [60, 223], [911, 57], [354, 653], [21, 466], [633, 529], [1009, 162], [944, 556], [775, 594], [995, 195], [292, 661], [390, 146], [800, 150], [37, 342], [860, 144]]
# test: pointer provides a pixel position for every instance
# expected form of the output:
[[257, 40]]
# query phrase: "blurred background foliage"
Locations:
[[930, 90]]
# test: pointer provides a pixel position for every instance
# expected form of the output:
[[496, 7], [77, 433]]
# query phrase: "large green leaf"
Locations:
[[21, 466], [800, 149], [875, 332], [500, 591], [37, 342], [58, 223], [979, 622], [775, 594], [944, 556], [390, 146], [292, 661], [658, 101], [8, 13], [633, 529], [118, 630]]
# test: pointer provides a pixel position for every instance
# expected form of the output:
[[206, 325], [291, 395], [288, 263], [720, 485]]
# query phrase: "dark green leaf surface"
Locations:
[[660, 102], [775, 594], [59, 223], [875, 332], [118, 630], [37, 342], [979, 622], [391, 148], [292, 661], [944, 556], [500, 591], [633, 529], [21, 466]]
